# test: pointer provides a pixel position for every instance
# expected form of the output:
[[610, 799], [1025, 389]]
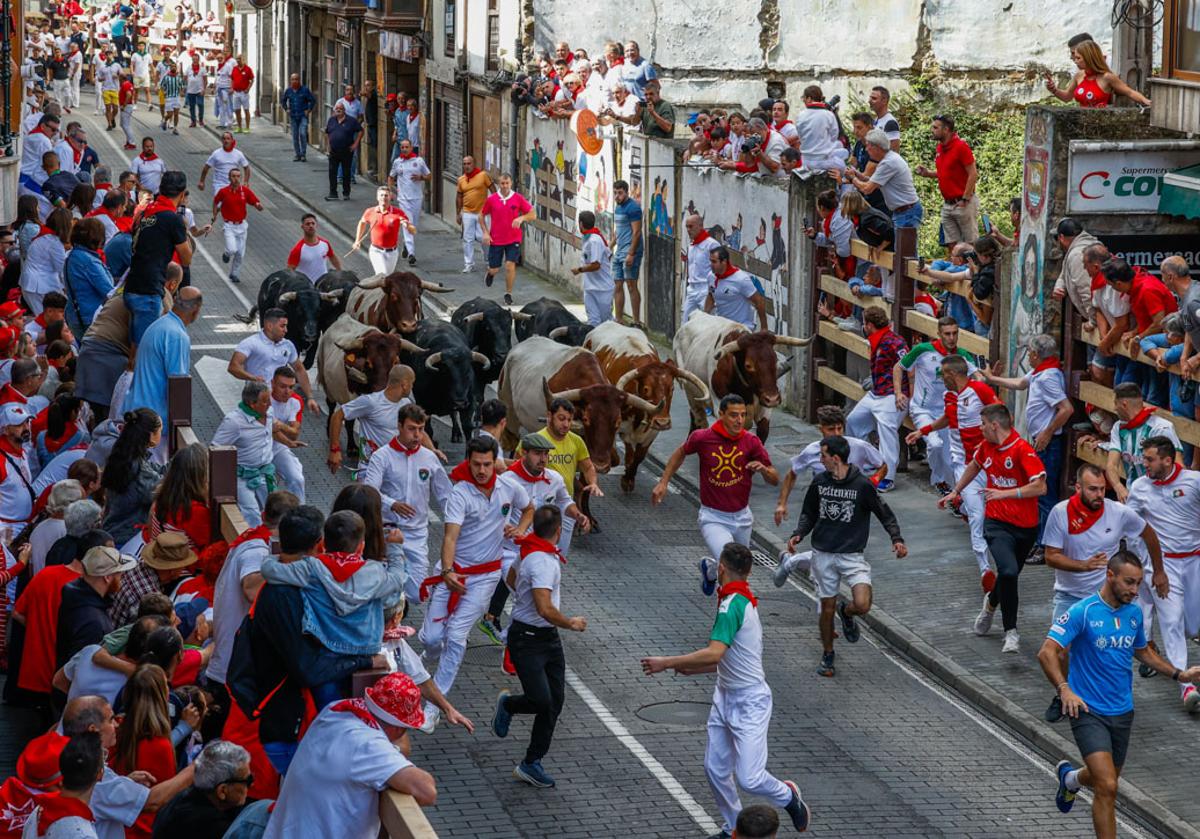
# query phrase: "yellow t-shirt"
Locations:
[[566, 455], [474, 191]]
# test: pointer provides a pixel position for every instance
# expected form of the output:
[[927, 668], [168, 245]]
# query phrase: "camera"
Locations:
[[971, 255], [834, 101], [751, 143]]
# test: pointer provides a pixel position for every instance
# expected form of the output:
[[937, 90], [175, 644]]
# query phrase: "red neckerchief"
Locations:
[[1050, 363], [940, 347], [53, 444], [39, 130], [341, 564], [718, 277], [778, 126], [76, 153], [876, 337], [152, 156], [408, 156], [700, 237], [931, 301], [720, 430], [40, 320], [8, 393], [57, 806], [592, 230], [738, 587], [232, 145], [261, 532], [358, 707], [818, 105], [532, 543], [462, 472], [103, 185], [1098, 282], [1139, 418], [158, 205], [473, 173], [1079, 516], [395, 444], [521, 472], [43, 230], [1176, 469], [826, 226]]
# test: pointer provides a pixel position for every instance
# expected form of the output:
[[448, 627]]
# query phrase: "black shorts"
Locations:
[[1098, 733], [499, 254]]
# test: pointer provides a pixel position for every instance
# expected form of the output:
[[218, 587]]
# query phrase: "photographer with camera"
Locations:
[[820, 133], [761, 151], [981, 262]]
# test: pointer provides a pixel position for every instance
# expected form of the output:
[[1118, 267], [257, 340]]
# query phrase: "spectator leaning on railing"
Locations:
[[892, 177], [1149, 303], [1074, 281]]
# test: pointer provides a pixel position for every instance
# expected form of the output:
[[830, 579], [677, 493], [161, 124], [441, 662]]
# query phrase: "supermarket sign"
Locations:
[[1123, 177]]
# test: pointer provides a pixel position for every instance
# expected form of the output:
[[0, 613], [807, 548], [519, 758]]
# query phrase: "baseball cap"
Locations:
[[102, 560], [391, 97], [14, 413], [536, 442]]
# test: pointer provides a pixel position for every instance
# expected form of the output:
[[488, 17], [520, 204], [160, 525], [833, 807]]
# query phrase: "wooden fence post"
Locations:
[[179, 407], [222, 481]]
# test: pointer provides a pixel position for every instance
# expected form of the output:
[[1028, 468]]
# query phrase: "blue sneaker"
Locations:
[[708, 575], [797, 809], [502, 718], [533, 774], [886, 485], [1064, 798]]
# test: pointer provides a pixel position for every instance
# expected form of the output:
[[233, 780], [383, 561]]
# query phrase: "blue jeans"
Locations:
[[1052, 459], [280, 754], [910, 217], [195, 103], [300, 135], [144, 309]]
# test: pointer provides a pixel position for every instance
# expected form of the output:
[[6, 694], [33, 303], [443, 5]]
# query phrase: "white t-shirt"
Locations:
[[1111, 302], [225, 74], [229, 602], [925, 370], [311, 260], [699, 266], [140, 62], [595, 249], [109, 76], [377, 416], [409, 479], [774, 147], [1172, 508], [895, 181], [406, 188], [731, 298], [254, 441], [889, 125], [333, 785], [88, 679], [862, 454], [549, 489], [69, 827], [1128, 442], [195, 80], [538, 570], [148, 172], [482, 519], [818, 129], [289, 411], [1046, 390], [1116, 522], [116, 804], [264, 356], [222, 162]]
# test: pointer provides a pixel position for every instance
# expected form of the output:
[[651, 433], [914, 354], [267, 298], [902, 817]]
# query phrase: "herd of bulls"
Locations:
[[356, 331]]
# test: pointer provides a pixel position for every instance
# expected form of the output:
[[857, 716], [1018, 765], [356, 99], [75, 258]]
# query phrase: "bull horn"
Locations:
[[644, 405], [436, 288], [558, 332], [521, 316], [789, 341], [356, 374], [409, 346], [690, 378], [288, 297], [433, 361], [569, 395], [625, 379], [725, 349], [473, 318], [331, 296], [355, 347], [374, 282], [480, 358]]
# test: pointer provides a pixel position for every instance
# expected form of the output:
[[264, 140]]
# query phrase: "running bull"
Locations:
[[549, 318], [446, 368], [307, 308], [391, 303]]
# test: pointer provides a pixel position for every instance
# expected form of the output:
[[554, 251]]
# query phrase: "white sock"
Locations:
[[1072, 781]]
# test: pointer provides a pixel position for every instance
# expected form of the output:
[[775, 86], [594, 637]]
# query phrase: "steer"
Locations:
[[391, 303], [731, 359], [446, 369], [549, 318], [487, 326], [354, 359], [631, 363], [340, 282], [294, 293]]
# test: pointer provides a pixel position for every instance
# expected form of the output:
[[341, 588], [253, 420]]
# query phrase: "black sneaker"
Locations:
[[404, 252], [796, 808], [1145, 670], [943, 489], [331, 198], [850, 630], [488, 279], [346, 197], [225, 256], [507, 299], [412, 260], [1054, 713], [1037, 556], [233, 278], [825, 668]]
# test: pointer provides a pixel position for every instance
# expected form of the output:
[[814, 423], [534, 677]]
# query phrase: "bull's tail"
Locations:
[[249, 318]]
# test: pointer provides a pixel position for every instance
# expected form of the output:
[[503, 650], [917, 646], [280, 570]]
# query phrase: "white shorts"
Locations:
[[241, 100], [171, 103], [141, 81], [829, 570]]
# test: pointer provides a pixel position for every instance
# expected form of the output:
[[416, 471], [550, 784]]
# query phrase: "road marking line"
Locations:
[[668, 781], [225, 390]]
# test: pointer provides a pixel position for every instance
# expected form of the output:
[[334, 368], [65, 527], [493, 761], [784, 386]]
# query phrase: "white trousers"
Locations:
[[720, 528], [878, 413], [224, 106], [99, 98], [412, 209], [235, 243], [127, 123], [251, 502], [289, 472], [937, 446], [598, 305], [472, 232], [1183, 575], [445, 636], [73, 92], [62, 91], [693, 300], [736, 754], [416, 564], [383, 262], [973, 505]]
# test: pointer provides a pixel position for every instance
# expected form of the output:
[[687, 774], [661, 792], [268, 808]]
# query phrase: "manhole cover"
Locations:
[[690, 714]]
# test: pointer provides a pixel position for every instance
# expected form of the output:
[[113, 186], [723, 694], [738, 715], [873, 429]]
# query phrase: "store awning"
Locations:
[[1180, 194]]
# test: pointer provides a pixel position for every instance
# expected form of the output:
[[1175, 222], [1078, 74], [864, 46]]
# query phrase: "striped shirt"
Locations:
[[172, 85]]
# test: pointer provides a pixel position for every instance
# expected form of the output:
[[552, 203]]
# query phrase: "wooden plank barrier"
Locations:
[[959, 287], [927, 326], [1102, 397]]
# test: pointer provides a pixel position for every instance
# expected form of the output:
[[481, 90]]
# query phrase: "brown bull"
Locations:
[[392, 302]]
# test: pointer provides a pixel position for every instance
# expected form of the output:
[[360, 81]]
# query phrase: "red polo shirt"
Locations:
[[1148, 297], [241, 77], [951, 160], [232, 202], [39, 605], [385, 226]]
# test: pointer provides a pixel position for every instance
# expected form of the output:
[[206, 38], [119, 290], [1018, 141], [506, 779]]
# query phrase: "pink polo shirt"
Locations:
[[502, 213]]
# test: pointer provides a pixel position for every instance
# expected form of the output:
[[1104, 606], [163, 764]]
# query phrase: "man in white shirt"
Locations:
[[595, 258], [288, 407], [817, 125], [108, 79], [767, 155], [139, 62], [878, 101], [148, 167], [312, 256], [251, 427], [221, 161], [224, 89], [893, 178], [35, 144], [407, 180], [353, 750], [406, 474], [375, 417], [75, 63], [258, 356], [733, 293], [1168, 498], [699, 266]]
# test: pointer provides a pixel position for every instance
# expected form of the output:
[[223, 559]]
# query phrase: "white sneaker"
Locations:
[[983, 622], [433, 715], [467, 269], [1012, 642], [791, 562]]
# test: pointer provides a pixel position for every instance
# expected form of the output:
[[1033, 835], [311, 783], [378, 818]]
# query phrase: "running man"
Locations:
[[288, 407], [568, 456], [1016, 479], [736, 754], [171, 85], [1103, 633], [595, 267], [837, 512], [699, 266], [730, 457], [312, 256], [506, 211], [385, 221], [537, 652], [223, 161], [127, 101], [407, 181], [474, 186], [375, 415], [1168, 498], [231, 201]]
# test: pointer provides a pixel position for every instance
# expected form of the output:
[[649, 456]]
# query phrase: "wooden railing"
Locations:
[[399, 814]]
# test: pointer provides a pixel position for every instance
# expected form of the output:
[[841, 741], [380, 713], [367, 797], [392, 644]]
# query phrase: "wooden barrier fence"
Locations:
[[400, 816]]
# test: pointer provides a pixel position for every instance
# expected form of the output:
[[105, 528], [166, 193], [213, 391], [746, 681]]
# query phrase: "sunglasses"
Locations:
[[248, 780]]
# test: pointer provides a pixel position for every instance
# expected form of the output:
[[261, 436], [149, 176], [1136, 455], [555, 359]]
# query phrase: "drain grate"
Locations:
[[688, 714], [483, 655]]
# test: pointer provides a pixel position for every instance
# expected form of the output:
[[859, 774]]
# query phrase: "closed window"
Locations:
[[493, 35], [451, 14]]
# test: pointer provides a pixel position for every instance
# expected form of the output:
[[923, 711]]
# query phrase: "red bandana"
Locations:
[[1177, 468], [1050, 363], [56, 806], [358, 707], [521, 472], [342, 565], [473, 173], [718, 277], [462, 472], [700, 237], [395, 444], [1098, 282], [104, 185], [532, 543], [1139, 418], [232, 145], [1079, 517], [876, 337], [738, 587], [261, 532], [44, 231], [151, 156], [719, 429], [592, 230], [940, 347], [408, 156], [76, 153]]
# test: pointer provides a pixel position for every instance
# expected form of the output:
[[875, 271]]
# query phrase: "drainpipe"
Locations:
[[514, 152]]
